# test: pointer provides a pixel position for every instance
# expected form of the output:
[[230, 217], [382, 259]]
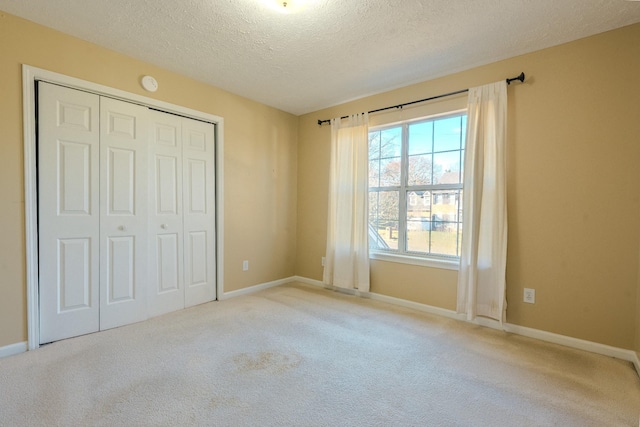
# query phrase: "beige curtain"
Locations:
[[347, 254], [483, 259]]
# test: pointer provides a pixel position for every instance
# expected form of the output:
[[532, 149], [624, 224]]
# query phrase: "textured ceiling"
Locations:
[[329, 51]]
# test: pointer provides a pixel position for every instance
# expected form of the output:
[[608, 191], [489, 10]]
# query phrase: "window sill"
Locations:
[[414, 260]]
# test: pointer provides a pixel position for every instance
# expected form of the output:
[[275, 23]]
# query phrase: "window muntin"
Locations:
[[415, 187]]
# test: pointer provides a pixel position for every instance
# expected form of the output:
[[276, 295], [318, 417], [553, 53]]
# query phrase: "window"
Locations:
[[415, 187]]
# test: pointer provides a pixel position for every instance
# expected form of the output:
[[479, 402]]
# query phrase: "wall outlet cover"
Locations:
[[529, 296]]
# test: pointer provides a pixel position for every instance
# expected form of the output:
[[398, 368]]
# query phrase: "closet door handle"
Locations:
[[164, 226], [122, 228]]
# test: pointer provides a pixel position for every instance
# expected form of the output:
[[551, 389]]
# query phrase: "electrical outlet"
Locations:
[[245, 265], [529, 296], [323, 260]]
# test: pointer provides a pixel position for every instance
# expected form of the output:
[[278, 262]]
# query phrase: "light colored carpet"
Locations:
[[300, 356]]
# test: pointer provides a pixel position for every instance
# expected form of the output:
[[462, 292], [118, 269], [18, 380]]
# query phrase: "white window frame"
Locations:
[[400, 256]]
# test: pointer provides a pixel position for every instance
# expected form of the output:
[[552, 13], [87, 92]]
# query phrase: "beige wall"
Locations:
[[260, 160], [573, 189]]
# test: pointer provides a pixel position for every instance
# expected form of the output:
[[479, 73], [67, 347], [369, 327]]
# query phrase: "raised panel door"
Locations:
[[199, 211], [123, 213], [68, 213], [165, 254]]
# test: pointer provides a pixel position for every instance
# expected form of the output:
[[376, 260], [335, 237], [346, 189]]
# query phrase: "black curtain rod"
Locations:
[[520, 78]]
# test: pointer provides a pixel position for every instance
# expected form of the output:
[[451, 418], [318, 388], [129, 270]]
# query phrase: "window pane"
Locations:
[[456, 202], [374, 145], [390, 172], [434, 237], [373, 206], [420, 170], [418, 205], [447, 134], [412, 199], [444, 206], [418, 222], [444, 238], [383, 206], [446, 168], [379, 238], [420, 138], [418, 234], [383, 219], [385, 235], [426, 199], [391, 142], [388, 205], [374, 173]]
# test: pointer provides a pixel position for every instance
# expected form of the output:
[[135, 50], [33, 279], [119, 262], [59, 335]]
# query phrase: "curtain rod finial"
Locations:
[[520, 78]]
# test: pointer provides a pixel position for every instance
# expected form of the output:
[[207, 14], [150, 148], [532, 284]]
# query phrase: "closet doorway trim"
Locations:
[[29, 77]]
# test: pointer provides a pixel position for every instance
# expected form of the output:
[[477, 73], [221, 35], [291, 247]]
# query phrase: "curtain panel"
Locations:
[[347, 254], [481, 279]]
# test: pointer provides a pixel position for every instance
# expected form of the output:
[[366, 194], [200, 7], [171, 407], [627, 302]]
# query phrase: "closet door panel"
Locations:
[[199, 211], [121, 170], [68, 213], [74, 178], [166, 185], [165, 254], [121, 270], [197, 186], [199, 257], [123, 222], [74, 271], [168, 263]]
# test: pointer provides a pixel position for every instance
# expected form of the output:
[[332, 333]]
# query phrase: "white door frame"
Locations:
[[29, 76]]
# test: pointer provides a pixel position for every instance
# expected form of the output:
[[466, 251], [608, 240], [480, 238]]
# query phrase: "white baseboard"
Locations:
[[320, 284], [417, 306], [311, 282], [590, 346], [593, 347], [636, 362], [12, 349], [391, 300], [255, 288]]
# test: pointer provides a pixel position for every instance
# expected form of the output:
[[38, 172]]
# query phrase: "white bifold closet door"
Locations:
[[126, 212], [166, 248], [181, 205], [68, 212], [123, 213], [199, 209]]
